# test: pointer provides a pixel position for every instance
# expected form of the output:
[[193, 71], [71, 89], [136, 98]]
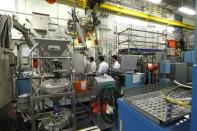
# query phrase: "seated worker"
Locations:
[[103, 66], [93, 65], [116, 65]]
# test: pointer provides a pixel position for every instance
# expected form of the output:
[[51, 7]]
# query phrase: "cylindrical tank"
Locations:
[[54, 86]]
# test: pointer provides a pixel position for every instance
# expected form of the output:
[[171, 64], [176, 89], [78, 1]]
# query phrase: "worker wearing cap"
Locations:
[[116, 64], [103, 66]]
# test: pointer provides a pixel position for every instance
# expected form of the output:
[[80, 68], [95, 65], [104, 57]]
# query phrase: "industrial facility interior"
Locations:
[[98, 65]]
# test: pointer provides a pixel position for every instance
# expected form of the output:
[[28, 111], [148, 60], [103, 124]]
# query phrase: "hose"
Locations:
[[185, 102], [182, 85], [181, 102]]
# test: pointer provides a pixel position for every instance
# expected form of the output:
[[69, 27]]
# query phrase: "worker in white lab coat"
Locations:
[[87, 64], [93, 65], [103, 66], [116, 64]]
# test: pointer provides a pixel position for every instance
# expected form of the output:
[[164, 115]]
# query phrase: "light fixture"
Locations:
[[187, 10], [154, 1]]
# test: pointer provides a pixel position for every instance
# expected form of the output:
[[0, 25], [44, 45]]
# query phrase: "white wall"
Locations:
[[61, 12], [189, 21], [40, 6], [8, 5]]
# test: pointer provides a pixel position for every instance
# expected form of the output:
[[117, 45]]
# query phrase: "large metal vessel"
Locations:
[[54, 86]]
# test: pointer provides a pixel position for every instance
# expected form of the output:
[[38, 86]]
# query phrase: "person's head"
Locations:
[[91, 59], [114, 58], [101, 58]]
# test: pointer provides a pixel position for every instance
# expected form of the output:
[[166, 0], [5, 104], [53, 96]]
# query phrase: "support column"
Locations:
[[179, 33], [194, 99], [194, 85]]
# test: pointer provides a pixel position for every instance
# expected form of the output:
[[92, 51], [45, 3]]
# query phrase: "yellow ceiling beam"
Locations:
[[144, 16], [79, 3]]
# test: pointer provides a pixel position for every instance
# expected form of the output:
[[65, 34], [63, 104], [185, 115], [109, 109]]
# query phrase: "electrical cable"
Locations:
[[176, 102], [185, 102], [181, 102], [182, 85]]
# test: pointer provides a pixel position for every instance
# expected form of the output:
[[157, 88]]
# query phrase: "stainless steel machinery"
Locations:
[[50, 78], [56, 87]]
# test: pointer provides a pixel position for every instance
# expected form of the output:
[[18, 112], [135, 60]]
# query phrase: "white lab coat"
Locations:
[[103, 67], [93, 67], [116, 65], [88, 67]]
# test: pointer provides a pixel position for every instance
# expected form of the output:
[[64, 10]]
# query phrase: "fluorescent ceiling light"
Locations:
[[154, 1], [187, 10]]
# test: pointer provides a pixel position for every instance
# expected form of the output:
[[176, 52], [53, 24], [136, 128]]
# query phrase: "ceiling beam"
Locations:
[[147, 17]]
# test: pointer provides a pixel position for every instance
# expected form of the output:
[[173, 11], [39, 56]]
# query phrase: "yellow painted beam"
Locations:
[[144, 16], [79, 3], [85, 3]]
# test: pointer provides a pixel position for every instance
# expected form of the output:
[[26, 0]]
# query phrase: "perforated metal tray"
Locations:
[[153, 106]]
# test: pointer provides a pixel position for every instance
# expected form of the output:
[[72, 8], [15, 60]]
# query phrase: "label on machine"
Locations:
[[136, 78], [83, 85]]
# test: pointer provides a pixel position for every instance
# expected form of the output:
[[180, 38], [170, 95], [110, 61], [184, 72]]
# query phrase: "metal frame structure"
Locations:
[[42, 57], [133, 34], [137, 38], [41, 98], [37, 98]]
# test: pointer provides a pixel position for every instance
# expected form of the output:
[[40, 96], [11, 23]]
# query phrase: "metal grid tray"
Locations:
[[153, 106]]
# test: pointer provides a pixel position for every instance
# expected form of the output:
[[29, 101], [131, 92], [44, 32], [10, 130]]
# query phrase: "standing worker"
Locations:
[[87, 64], [103, 67], [93, 65], [116, 65]]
